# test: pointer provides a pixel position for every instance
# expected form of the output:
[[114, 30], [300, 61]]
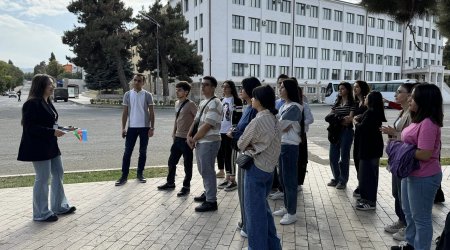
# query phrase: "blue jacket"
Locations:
[[401, 159], [247, 117]]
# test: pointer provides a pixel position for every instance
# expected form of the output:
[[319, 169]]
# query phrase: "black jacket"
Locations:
[[335, 127], [370, 139], [38, 140]]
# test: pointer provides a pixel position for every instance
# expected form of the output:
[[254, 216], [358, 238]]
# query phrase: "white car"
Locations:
[[12, 94]]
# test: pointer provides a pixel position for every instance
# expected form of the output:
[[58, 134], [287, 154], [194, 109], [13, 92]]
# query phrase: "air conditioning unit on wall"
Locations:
[[264, 23]]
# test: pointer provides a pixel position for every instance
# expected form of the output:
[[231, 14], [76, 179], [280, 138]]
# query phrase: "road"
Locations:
[[105, 146]]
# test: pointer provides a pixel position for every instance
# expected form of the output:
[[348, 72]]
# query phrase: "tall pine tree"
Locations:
[[101, 43]]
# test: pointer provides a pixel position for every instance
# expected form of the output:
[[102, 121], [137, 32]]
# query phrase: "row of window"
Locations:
[[425, 47], [238, 69], [420, 31]]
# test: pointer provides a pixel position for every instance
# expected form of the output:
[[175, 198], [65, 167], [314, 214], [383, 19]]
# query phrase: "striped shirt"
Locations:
[[213, 116], [262, 140]]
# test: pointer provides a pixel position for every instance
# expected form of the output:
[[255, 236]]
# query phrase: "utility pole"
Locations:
[[151, 19]]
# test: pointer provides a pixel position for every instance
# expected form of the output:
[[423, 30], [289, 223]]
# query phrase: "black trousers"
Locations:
[[180, 148], [225, 155], [368, 179], [302, 160]]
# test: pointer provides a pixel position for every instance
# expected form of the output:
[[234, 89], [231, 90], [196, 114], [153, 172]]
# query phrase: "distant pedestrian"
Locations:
[[19, 93], [204, 136], [185, 113], [39, 144], [138, 111]]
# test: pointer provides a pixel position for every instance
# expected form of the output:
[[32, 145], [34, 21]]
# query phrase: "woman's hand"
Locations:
[[59, 133], [388, 130]]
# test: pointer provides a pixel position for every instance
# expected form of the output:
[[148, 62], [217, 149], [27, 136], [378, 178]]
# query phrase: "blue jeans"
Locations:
[[130, 141], [288, 172], [58, 201], [260, 226], [206, 153], [179, 148], [340, 167], [417, 201]]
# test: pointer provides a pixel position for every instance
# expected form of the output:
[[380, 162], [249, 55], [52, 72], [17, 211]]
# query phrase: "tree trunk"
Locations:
[[121, 73], [165, 80]]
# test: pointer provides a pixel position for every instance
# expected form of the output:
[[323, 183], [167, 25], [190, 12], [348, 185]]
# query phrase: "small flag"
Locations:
[[80, 134]]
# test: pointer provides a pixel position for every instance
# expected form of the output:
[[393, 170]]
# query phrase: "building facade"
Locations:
[[314, 41]]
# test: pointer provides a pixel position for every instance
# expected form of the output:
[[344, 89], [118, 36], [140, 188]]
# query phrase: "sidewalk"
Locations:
[[137, 216]]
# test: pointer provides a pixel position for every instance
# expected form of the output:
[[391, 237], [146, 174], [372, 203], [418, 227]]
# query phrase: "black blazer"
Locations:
[[370, 139], [39, 142]]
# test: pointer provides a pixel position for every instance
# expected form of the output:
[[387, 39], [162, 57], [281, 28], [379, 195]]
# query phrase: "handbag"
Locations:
[[244, 161]]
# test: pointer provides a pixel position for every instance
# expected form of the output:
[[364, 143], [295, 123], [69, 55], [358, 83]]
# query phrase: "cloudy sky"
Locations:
[[31, 29]]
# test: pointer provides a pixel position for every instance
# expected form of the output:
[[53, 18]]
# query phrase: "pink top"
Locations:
[[427, 136]]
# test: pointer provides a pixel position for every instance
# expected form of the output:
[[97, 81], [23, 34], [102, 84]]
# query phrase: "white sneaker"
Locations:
[[244, 234], [277, 196], [394, 227], [288, 219], [400, 235], [281, 212]]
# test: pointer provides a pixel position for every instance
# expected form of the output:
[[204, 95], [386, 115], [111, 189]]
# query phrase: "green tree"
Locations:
[[10, 76], [101, 43], [444, 17], [40, 68], [52, 57], [177, 56], [54, 68]]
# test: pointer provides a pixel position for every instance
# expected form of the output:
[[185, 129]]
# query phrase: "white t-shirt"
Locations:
[[137, 110], [227, 109]]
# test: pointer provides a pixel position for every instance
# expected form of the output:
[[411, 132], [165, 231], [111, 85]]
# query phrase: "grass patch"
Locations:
[[81, 177], [444, 161]]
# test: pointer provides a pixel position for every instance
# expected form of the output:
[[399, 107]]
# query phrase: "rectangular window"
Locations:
[[398, 44], [271, 49], [360, 20], [433, 34], [389, 60], [326, 54], [397, 61], [358, 74], [300, 30], [299, 72], [425, 62], [201, 44], [300, 9], [381, 24], [336, 74], [380, 41], [326, 34], [285, 6], [371, 40], [240, 2], [348, 56], [371, 22], [284, 70], [336, 55], [285, 28], [378, 76], [237, 69], [349, 37], [255, 24], [326, 14], [369, 75], [433, 48], [254, 48], [195, 3], [284, 50], [195, 23], [187, 28], [337, 35], [379, 59], [312, 73], [255, 3], [396, 76], [359, 58], [270, 71], [420, 31], [238, 22], [348, 74], [271, 27], [427, 32], [238, 46], [399, 27], [426, 48], [299, 52], [390, 43], [314, 11], [324, 73], [359, 38], [272, 5], [312, 53], [391, 25], [312, 32], [186, 5], [337, 15], [350, 18], [370, 59], [254, 70], [201, 20]]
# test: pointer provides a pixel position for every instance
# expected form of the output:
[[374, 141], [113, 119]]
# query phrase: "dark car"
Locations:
[[60, 94]]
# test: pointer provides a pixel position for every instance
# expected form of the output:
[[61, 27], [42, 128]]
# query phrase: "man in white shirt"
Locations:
[[138, 111]]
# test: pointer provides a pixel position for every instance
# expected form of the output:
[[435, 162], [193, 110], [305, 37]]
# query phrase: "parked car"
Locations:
[[12, 94], [60, 94], [5, 93]]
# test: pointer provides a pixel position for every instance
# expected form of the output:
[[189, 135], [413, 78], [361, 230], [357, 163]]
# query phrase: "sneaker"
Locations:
[[332, 183], [166, 186], [239, 226], [288, 219], [231, 186], [403, 246], [206, 207], [141, 178], [223, 185], [281, 212], [400, 235], [201, 198], [244, 234], [71, 210], [356, 193], [340, 186], [183, 192], [121, 181], [364, 206], [393, 228], [220, 174], [278, 195]]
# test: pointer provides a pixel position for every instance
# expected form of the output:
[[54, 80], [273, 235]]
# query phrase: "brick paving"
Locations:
[[137, 216]]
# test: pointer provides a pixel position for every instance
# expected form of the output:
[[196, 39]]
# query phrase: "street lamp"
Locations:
[[151, 19]]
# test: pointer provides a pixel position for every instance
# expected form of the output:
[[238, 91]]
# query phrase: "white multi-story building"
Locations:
[[313, 40]]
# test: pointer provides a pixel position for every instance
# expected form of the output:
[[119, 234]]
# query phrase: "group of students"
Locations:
[[413, 150]]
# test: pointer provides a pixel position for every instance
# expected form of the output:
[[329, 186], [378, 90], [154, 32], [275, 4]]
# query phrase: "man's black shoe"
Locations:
[[207, 206], [70, 211], [183, 192], [121, 181], [166, 186], [51, 218], [403, 246], [141, 178], [201, 198]]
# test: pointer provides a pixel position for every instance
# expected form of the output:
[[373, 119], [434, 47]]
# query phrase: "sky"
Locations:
[[30, 30]]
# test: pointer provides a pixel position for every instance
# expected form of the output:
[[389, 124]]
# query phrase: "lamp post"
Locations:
[[151, 19]]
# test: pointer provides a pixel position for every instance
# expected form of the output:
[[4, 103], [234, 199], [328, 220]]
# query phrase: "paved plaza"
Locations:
[[137, 216]]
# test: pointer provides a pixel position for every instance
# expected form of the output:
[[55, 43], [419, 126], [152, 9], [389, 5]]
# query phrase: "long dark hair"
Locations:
[[266, 96], [38, 86], [428, 98], [233, 88], [291, 87], [365, 89], [375, 104], [349, 89], [248, 84]]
